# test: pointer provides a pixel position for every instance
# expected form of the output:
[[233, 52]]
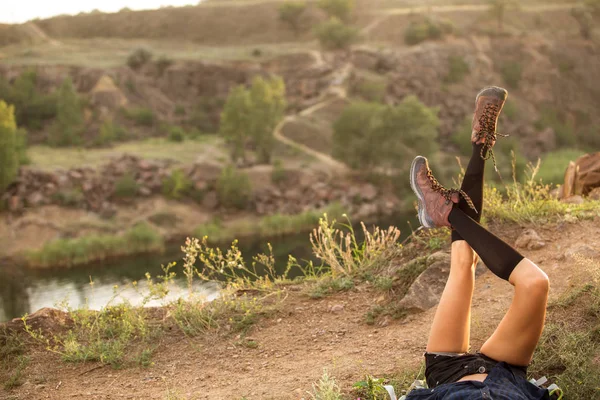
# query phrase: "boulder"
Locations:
[[582, 176], [529, 240], [427, 289], [594, 194]]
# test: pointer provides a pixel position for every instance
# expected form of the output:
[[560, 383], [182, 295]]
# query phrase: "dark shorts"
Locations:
[[442, 368]]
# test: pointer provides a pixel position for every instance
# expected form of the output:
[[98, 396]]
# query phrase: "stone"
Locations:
[[594, 194], [35, 199], [582, 176], [369, 192], [573, 200], [427, 289], [529, 240], [338, 308]]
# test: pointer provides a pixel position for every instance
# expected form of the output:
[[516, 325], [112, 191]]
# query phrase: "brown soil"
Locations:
[[298, 341]]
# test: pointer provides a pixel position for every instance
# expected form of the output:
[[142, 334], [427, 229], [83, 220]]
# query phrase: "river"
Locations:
[[25, 291]]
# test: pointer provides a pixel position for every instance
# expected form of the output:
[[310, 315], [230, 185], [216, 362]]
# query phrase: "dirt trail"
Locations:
[[34, 32], [298, 342]]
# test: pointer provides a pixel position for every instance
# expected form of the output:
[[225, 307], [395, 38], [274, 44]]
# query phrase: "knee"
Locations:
[[531, 278]]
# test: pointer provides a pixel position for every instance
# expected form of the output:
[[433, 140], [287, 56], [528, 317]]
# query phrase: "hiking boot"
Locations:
[[435, 201], [488, 106]]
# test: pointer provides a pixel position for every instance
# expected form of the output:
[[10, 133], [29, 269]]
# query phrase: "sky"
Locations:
[[18, 11]]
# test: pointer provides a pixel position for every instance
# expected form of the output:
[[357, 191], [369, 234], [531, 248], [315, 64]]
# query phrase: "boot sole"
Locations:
[[424, 218]]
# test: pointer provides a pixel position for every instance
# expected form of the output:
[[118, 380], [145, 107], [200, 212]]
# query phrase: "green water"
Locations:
[[25, 291]]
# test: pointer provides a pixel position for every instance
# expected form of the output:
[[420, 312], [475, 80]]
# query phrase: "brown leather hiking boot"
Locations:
[[488, 105], [435, 201]]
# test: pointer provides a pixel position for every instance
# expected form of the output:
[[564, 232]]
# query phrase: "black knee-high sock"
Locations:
[[472, 185], [498, 256]]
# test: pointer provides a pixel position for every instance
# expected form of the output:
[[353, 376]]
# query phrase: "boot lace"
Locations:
[[447, 193], [487, 130]]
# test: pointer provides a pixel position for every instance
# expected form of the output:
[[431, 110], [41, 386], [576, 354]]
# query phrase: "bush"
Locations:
[[234, 188], [9, 158], [458, 69], [69, 123], [337, 8], [69, 197], [32, 108], [290, 13], [138, 58], [162, 64], [279, 174], [427, 29], [126, 187], [179, 110], [565, 132], [111, 132], [371, 90], [141, 116], [201, 116], [176, 134], [335, 35], [371, 136], [22, 147], [461, 137], [177, 185], [512, 73]]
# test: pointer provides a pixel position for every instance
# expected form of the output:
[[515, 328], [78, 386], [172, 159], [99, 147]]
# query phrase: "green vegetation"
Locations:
[[177, 185], [369, 136], [176, 134], [427, 29], [459, 137], [138, 58], [458, 69], [554, 164], [234, 188], [69, 197], [126, 187], [87, 249], [141, 116], [512, 73], [162, 64], [12, 359], [329, 285], [69, 124], [564, 131], [111, 132], [326, 389], [250, 117], [290, 13], [32, 108], [340, 9], [370, 90], [279, 174], [335, 35], [9, 159]]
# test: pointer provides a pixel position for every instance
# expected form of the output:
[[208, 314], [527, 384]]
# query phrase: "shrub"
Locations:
[[458, 69], [9, 157], [335, 35], [111, 132], [176, 134], [371, 90], [32, 108], [234, 188], [370, 136], [279, 174], [337, 8], [179, 110], [290, 13], [141, 116], [138, 58], [69, 197], [69, 123], [427, 29], [162, 64], [177, 185], [565, 132], [461, 135], [512, 73], [126, 187]]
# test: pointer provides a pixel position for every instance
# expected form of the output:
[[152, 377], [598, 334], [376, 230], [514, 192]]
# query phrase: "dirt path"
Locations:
[[296, 343], [37, 34]]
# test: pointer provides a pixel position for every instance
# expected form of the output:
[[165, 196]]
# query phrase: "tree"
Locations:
[[337, 8], [334, 34], [290, 13], [9, 159], [498, 10], [69, 123], [235, 122], [372, 136], [267, 98]]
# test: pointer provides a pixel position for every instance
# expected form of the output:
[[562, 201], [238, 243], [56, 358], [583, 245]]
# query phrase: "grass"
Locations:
[[268, 226], [328, 285], [207, 147], [326, 389], [142, 238], [554, 164], [12, 360]]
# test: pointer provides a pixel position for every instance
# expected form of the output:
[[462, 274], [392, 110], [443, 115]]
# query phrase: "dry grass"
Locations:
[[209, 148]]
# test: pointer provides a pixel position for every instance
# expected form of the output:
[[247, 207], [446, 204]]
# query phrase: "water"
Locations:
[[26, 291]]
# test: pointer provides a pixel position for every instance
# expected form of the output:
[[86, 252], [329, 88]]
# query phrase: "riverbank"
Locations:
[[293, 330]]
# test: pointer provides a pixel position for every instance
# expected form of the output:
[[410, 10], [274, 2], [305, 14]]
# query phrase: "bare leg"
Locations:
[[450, 331], [517, 336]]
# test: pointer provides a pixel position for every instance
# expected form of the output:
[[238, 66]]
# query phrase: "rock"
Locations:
[[338, 308], [582, 176], [427, 289], [46, 319], [529, 240], [210, 200], [35, 199], [574, 200], [144, 191], [106, 94], [583, 250], [594, 194], [369, 192], [440, 256]]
